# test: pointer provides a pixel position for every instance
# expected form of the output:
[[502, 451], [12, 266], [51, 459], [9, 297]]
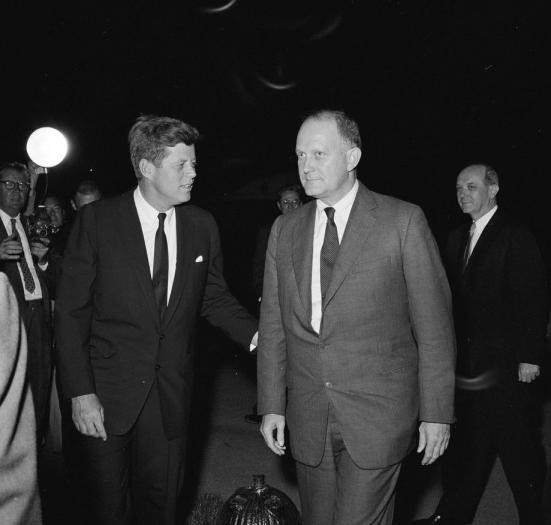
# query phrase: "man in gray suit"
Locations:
[[356, 335]]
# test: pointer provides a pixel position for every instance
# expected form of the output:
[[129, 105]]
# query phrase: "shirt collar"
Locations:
[[6, 219], [345, 204], [147, 213], [481, 222]]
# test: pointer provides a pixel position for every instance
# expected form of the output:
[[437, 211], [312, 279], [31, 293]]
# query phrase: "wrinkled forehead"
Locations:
[[473, 175], [322, 130]]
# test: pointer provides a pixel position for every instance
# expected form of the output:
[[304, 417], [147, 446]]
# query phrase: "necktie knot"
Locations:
[[161, 217], [330, 212]]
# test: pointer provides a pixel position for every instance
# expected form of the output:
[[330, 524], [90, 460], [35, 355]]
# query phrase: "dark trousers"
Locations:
[[135, 478], [496, 422], [338, 492], [39, 360]]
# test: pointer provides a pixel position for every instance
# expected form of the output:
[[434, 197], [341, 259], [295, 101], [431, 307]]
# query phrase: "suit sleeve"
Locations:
[[272, 351], [527, 286], [73, 312], [432, 322], [219, 306]]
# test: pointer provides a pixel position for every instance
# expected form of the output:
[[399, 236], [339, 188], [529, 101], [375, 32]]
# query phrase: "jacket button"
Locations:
[[162, 336], [157, 367], [328, 384]]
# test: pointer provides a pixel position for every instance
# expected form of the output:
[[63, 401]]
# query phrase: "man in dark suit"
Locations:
[[24, 261], [138, 270], [356, 336], [499, 291]]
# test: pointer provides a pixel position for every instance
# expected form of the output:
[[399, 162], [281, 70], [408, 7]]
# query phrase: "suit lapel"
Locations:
[[11, 269], [185, 228], [303, 236], [488, 235], [133, 247], [358, 228]]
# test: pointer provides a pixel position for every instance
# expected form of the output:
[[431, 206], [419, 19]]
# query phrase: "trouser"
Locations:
[[338, 492], [131, 478], [496, 422], [39, 361]]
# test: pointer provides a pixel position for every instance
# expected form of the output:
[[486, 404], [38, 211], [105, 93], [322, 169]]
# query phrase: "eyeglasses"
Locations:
[[11, 185]]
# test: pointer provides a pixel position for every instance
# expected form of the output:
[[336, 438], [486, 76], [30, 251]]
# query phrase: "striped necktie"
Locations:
[[28, 280]]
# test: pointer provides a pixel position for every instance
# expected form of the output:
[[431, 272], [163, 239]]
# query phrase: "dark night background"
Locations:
[[435, 85]]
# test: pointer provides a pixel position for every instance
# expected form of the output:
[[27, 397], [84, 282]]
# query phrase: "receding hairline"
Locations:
[[488, 174]]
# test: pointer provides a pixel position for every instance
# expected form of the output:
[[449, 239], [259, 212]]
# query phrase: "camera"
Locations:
[[40, 225]]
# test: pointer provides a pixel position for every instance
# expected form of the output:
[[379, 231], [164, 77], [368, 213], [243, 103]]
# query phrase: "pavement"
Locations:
[[225, 451]]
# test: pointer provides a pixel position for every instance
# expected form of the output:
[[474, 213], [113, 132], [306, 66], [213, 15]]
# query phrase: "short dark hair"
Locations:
[[16, 166], [88, 187], [347, 127], [490, 176], [297, 188], [151, 134]]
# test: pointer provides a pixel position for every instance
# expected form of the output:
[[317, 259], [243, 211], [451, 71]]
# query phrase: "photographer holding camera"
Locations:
[[23, 258]]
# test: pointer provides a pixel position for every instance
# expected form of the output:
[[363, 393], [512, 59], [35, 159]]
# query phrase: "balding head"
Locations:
[[477, 187]]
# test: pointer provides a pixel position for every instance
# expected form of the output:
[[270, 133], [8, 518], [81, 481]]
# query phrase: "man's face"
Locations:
[[82, 199], [55, 211], [325, 163], [473, 195], [289, 201], [172, 181], [13, 201]]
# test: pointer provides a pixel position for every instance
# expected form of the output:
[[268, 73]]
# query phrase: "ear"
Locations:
[[278, 205], [353, 156], [492, 190], [146, 168]]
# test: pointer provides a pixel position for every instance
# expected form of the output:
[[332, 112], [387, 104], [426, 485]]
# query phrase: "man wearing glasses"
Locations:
[[24, 261]]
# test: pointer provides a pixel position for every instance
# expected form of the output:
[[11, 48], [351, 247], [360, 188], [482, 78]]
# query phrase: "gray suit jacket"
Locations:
[[19, 497], [385, 354]]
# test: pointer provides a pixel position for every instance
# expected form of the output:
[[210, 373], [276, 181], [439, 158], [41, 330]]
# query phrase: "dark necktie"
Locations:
[[160, 267], [28, 280], [329, 251], [467, 252]]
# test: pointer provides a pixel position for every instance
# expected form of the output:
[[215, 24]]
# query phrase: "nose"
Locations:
[[306, 166]]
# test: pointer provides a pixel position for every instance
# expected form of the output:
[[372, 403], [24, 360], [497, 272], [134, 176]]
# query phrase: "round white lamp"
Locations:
[[47, 147]]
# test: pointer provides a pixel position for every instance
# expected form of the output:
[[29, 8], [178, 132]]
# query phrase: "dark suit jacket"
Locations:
[[12, 271], [385, 354], [500, 300], [109, 337]]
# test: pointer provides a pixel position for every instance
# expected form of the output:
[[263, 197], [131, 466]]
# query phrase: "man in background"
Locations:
[[500, 307], [289, 198], [23, 258], [87, 191]]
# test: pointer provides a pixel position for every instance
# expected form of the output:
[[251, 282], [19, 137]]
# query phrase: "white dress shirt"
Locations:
[[342, 212], [37, 293], [479, 226], [149, 222]]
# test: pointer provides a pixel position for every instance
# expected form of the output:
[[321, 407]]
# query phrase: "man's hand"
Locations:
[[88, 416], [40, 248], [274, 423], [433, 439], [528, 372], [10, 248]]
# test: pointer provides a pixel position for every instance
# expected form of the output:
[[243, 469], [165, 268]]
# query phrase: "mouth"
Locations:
[[187, 187]]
